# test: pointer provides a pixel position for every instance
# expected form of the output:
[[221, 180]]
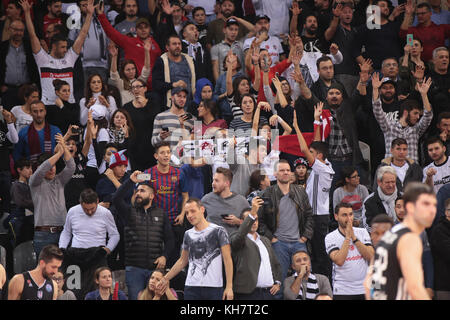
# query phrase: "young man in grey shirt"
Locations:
[[224, 207]]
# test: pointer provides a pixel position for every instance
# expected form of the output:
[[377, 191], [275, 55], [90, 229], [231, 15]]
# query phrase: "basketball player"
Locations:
[[397, 269], [38, 284]]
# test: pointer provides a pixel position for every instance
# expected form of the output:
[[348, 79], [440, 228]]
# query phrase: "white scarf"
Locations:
[[312, 288], [390, 201], [192, 47]]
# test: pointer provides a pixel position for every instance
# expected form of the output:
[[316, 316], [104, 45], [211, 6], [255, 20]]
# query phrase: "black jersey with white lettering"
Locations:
[[31, 291], [387, 279]]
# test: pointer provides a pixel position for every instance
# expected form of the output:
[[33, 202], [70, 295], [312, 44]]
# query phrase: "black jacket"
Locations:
[[148, 234], [372, 207], [31, 63], [414, 173], [269, 214], [203, 69], [440, 248]]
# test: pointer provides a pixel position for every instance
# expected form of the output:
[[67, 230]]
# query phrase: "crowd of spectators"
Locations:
[[229, 146]]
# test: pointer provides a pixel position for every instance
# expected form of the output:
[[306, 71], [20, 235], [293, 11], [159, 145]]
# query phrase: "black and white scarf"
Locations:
[[312, 288]]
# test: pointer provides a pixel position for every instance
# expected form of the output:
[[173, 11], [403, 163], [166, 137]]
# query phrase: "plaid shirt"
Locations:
[[338, 144], [392, 129]]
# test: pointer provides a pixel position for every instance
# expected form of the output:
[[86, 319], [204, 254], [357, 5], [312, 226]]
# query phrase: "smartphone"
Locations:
[[224, 216], [188, 116], [165, 129], [77, 130], [144, 176], [409, 39]]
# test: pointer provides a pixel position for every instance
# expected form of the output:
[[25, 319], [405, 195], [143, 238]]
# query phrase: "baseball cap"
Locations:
[[142, 20], [98, 111], [263, 16], [178, 90], [118, 159], [230, 22], [388, 80]]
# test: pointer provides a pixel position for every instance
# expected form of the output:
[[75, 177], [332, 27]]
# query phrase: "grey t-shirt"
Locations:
[[288, 224], [126, 27], [180, 71], [215, 205]]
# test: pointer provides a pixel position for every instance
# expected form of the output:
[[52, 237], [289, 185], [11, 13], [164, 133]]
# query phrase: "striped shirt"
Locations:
[[168, 188], [392, 129], [239, 124], [169, 120]]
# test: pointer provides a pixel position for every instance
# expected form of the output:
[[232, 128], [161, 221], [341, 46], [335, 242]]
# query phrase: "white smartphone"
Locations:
[[143, 176]]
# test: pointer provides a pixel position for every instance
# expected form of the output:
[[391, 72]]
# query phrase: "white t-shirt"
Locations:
[[23, 119], [102, 136], [401, 171], [277, 11], [348, 279], [272, 45], [208, 5], [442, 175], [318, 187], [205, 255], [50, 69]]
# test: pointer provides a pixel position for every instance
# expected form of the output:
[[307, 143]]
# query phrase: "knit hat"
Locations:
[[118, 159], [301, 161], [337, 86]]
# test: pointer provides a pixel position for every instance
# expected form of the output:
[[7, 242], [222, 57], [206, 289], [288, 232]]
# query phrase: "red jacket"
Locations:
[[133, 47], [280, 68], [432, 37]]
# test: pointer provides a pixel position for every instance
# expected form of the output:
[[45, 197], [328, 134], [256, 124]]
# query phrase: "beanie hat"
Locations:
[[118, 159]]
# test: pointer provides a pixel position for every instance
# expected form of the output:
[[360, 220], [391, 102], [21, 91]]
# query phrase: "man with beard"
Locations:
[[270, 43], [173, 69], [60, 62], [408, 126], [174, 123], [351, 250], [54, 16], [223, 206], [380, 43], [215, 33], [149, 239], [128, 25], [368, 126], [38, 284], [201, 56], [133, 47], [437, 173]]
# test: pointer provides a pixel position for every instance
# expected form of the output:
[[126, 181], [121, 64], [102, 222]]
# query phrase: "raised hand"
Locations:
[[147, 45], [255, 55], [424, 86], [419, 72], [338, 10], [264, 106], [295, 122], [276, 82], [297, 76], [166, 7], [296, 10], [26, 6], [366, 65], [398, 10], [8, 116], [409, 8], [273, 120], [334, 48], [407, 49], [113, 51], [90, 9], [100, 8], [134, 175], [376, 81], [318, 108]]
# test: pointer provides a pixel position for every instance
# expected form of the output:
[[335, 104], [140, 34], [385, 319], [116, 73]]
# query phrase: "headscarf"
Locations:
[[198, 89]]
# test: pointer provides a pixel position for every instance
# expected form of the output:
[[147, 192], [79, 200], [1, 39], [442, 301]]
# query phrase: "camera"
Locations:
[[77, 130]]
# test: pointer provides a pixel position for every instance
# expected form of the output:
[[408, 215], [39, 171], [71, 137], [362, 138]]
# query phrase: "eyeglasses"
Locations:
[[136, 87]]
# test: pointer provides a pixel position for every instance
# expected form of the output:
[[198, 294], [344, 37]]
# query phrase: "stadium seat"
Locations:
[[365, 150], [24, 257], [3, 256]]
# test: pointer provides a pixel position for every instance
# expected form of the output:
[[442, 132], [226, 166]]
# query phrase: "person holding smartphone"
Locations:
[[147, 232]]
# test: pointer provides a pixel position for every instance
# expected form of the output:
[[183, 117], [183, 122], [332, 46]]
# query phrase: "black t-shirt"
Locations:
[[314, 43], [344, 39], [77, 184], [5, 144], [31, 291]]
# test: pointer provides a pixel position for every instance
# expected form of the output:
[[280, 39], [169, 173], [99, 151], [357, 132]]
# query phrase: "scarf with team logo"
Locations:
[[34, 144], [312, 289]]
